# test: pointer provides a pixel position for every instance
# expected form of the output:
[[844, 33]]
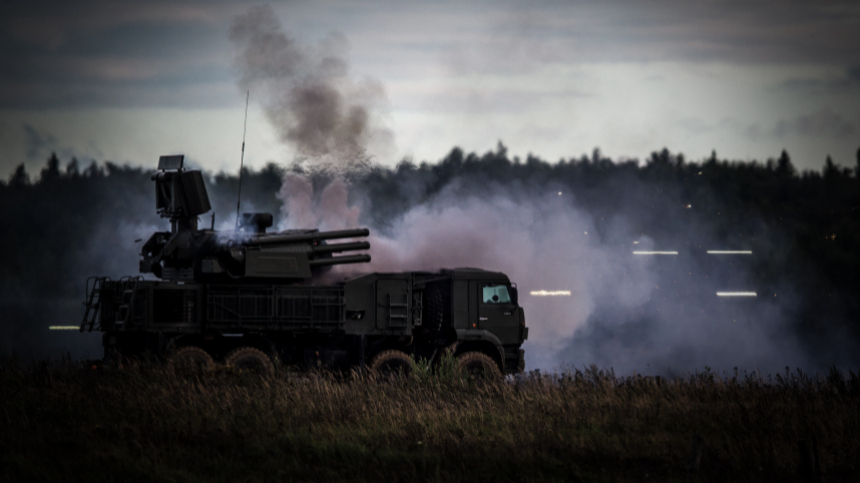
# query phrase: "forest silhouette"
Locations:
[[69, 222]]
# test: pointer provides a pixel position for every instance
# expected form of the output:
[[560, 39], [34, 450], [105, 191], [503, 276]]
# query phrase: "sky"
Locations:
[[128, 81]]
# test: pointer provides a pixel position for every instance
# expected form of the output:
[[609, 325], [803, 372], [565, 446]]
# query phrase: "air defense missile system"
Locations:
[[246, 298], [186, 253]]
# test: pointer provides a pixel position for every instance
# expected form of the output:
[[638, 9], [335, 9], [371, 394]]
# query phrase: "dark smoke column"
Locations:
[[307, 93]]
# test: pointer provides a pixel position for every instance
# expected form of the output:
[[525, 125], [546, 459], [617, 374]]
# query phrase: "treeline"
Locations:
[[70, 221]]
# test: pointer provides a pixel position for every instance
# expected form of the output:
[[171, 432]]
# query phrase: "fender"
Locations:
[[483, 335]]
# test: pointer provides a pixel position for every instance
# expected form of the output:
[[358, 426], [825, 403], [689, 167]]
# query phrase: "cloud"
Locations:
[[824, 123], [134, 47], [39, 144], [695, 125], [772, 32], [846, 81], [95, 54], [52, 24], [853, 73]]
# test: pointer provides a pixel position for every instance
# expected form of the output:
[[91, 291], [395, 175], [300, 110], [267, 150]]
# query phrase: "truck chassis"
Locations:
[[378, 320]]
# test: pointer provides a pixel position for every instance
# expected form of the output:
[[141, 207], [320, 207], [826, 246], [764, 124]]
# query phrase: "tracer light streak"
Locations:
[[550, 293], [654, 253]]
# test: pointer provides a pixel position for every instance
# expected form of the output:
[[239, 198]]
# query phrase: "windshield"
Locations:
[[496, 294]]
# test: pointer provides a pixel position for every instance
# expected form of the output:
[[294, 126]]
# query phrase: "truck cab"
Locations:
[[487, 316], [455, 311]]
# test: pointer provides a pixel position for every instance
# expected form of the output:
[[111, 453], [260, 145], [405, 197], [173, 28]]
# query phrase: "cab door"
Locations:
[[498, 312]]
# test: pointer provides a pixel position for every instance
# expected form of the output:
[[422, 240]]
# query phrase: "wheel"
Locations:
[[478, 365], [250, 359], [391, 362], [190, 360]]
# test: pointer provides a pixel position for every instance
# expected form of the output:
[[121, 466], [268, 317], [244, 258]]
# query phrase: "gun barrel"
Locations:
[[307, 237], [341, 247], [319, 262]]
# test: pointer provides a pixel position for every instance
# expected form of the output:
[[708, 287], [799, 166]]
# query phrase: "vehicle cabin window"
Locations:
[[496, 294]]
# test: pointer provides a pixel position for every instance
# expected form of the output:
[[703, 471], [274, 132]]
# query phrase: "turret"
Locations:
[[190, 254]]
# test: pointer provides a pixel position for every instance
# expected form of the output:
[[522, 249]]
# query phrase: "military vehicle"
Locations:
[[246, 297]]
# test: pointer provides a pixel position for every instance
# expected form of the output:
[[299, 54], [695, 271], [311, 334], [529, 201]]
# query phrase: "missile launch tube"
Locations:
[[319, 262], [341, 247], [320, 235]]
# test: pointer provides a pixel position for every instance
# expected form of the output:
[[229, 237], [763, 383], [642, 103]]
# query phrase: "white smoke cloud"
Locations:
[[541, 244], [297, 195], [632, 313]]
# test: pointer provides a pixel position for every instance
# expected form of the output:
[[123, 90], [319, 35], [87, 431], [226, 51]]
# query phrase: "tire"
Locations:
[[391, 363], [478, 365], [249, 359], [190, 360]]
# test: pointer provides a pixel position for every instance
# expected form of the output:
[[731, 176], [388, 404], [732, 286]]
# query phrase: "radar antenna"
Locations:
[[242, 159]]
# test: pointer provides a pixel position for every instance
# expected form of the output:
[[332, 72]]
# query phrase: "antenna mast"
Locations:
[[242, 159]]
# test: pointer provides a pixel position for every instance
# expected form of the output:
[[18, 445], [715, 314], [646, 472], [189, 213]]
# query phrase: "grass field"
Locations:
[[60, 421]]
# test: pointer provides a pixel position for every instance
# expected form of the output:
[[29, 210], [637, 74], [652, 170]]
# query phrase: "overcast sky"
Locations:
[[128, 81]]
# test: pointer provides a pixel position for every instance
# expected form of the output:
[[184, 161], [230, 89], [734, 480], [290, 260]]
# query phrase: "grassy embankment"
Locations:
[[59, 421]]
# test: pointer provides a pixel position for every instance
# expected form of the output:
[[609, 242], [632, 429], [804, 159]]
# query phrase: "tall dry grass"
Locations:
[[60, 421]]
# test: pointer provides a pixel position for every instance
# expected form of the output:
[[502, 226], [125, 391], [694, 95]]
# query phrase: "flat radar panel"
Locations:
[[171, 162]]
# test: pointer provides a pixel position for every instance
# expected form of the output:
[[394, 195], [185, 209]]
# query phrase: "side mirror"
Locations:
[[515, 295]]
